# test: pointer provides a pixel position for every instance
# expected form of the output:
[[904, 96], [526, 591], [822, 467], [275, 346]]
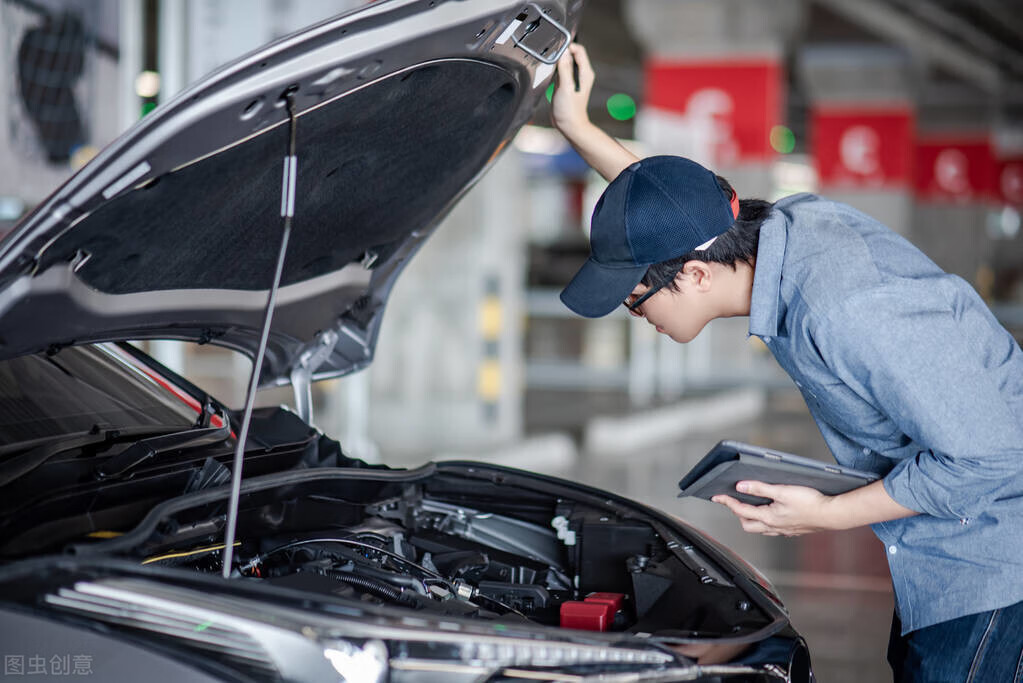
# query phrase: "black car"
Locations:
[[268, 209]]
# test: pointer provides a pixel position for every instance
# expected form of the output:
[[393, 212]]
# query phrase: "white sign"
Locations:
[[859, 150]]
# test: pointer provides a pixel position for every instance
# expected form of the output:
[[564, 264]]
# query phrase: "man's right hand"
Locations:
[[569, 115], [569, 105]]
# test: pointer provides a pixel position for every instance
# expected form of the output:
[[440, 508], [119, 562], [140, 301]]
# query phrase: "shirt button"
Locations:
[[866, 451], [892, 549], [767, 340]]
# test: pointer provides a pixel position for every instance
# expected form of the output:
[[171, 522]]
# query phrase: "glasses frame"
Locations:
[[641, 300]]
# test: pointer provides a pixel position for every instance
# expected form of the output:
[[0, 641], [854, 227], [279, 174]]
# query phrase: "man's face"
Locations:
[[681, 314]]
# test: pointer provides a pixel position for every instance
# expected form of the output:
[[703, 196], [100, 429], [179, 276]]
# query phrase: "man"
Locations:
[[903, 367]]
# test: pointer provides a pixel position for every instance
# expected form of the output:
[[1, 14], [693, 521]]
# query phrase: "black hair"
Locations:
[[738, 243]]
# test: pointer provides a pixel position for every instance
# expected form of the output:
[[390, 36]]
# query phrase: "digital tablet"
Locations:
[[731, 462]]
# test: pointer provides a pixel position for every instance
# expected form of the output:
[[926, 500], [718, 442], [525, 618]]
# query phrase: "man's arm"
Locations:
[[799, 510], [568, 112]]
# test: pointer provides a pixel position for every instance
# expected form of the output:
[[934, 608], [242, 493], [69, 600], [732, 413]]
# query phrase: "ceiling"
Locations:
[[970, 52]]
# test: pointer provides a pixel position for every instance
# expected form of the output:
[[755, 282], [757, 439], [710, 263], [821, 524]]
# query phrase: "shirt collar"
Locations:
[[765, 303]]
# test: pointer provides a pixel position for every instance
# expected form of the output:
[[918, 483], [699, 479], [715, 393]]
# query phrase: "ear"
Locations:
[[697, 274]]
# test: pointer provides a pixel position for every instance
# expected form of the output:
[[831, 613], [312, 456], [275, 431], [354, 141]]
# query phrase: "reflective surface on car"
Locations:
[[43, 397]]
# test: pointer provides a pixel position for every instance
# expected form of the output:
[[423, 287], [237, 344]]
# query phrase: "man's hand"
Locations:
[[796, 510], [568, 105], [569, 115], [799, 510]]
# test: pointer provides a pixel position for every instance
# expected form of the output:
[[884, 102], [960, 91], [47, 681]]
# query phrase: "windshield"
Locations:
[[45, 397]]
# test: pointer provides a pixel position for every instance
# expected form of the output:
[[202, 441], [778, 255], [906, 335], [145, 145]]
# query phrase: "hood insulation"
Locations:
[[374, 166]]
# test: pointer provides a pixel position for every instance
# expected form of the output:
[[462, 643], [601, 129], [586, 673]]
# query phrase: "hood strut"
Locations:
[[287, 212]]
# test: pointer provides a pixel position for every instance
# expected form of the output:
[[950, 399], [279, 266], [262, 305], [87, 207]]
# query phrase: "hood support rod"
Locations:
[[287, 212]]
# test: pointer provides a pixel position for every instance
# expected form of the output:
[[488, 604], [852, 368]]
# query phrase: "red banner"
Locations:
[[736, 102], [1009, 181], [955, 169], [862, 148]]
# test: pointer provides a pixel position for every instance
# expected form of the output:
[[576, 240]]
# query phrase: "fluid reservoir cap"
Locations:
[[560, 523], [613, 599], [587, 616]]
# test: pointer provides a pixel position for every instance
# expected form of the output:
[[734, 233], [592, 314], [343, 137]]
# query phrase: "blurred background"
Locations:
[[910, 110]]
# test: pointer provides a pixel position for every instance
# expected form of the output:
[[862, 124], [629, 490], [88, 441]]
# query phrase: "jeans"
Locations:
[[978, 648]]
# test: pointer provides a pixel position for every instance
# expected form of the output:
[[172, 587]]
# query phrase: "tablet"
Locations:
[[730, 462]]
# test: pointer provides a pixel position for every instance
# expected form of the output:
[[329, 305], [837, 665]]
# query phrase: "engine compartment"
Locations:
[[422, 568], [466, 542], [455, 539]]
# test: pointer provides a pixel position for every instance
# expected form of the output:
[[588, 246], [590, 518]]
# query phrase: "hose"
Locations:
[[377, 588]]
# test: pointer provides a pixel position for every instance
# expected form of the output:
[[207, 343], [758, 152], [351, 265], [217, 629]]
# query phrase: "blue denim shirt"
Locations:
[[910, 376]]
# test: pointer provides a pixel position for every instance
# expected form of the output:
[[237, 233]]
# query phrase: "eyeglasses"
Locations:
[[633, 302]]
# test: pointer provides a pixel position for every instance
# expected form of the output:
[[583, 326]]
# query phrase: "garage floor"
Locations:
[[836, 585]]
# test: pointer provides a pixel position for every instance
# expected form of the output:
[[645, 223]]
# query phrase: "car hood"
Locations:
[[172, 232]]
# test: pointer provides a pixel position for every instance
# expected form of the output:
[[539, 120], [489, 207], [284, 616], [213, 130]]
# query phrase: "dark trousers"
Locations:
[[978, 648]]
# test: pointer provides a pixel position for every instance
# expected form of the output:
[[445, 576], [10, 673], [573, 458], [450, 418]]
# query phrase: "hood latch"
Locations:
[[535, 24]]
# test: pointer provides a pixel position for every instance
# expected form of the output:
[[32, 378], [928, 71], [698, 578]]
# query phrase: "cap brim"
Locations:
[[596, 290]]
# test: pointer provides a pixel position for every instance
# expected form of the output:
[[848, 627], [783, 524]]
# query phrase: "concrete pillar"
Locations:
[[862, 120], [1007, 283], [172, 46], [715, 87], [715, 81], [448, 367], [956, 178], [129, 61], [221, 30]]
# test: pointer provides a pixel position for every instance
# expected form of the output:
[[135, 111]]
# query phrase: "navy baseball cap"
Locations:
[[657, 209]]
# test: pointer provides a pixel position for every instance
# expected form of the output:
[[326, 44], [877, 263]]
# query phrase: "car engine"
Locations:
[[585, 569]]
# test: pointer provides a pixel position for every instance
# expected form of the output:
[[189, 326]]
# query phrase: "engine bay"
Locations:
[[427, 569], [477, 548], [454, 539]]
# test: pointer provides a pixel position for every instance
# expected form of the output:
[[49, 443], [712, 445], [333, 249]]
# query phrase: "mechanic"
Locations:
[[905, 370]]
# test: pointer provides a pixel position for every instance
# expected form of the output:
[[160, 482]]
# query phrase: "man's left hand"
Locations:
[[796, 510]]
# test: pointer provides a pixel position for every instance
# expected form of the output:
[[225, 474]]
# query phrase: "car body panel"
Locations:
[[172, 231]]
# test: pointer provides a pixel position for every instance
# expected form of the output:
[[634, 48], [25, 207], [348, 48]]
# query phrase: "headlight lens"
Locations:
[[365, 664], [529, 653], [471, 653]]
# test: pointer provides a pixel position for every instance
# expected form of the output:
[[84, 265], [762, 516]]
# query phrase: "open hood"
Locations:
[[172, 232]]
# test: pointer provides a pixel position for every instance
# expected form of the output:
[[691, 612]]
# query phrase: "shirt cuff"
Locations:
[[912, 486]]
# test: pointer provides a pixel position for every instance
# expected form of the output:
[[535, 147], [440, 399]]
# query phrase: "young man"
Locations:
[[903, 367]]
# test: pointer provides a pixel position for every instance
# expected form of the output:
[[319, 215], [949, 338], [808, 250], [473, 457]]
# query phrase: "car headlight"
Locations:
[[358, 664], [432, 651]]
